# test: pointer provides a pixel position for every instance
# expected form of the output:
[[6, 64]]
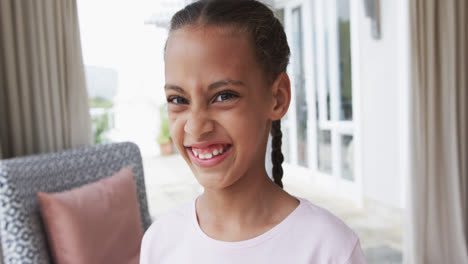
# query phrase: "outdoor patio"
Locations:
[[170, 183]]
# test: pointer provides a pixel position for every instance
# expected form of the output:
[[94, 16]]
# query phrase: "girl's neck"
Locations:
[[251, 197], [247, 209]]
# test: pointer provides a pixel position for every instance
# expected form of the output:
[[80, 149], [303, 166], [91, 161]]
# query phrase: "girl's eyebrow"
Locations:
[[175, 88], [212, 86], [225, 83]]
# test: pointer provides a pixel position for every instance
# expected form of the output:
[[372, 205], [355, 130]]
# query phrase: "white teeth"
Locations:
[[215, 152]]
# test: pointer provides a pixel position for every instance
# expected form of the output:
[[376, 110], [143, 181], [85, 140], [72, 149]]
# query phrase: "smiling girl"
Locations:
[[227, 89]]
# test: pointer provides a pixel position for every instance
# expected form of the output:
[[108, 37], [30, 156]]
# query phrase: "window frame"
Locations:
[[337, 127]]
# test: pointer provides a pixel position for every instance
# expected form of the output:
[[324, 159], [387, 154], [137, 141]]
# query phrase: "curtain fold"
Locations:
[[438, 184], [43, 92]]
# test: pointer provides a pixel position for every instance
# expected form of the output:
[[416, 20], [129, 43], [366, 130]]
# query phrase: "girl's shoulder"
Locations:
[[168, 224], [164, 233], [318, 214], [319, 224]]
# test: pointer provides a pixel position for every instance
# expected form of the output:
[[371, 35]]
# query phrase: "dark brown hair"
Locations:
[[268, 39]]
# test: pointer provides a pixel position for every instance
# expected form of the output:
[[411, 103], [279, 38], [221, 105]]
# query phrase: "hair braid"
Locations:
[[276, 154]]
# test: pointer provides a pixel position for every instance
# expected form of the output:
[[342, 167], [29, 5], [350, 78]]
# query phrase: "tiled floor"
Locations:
[[170, 183]]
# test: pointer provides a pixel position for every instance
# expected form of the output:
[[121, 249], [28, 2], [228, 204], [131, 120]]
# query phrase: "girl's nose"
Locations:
[[198, 125]]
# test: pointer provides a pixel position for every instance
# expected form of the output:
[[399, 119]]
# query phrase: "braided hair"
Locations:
[[266, 34], [277, 157]]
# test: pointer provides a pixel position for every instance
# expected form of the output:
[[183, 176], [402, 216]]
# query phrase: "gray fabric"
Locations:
[[438, 208], [22, 234], [43, 96]]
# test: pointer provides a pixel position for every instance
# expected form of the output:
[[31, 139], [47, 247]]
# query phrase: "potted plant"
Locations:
[[164, 138]]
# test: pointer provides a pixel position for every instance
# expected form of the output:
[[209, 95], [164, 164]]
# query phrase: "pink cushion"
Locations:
[[95, 223]]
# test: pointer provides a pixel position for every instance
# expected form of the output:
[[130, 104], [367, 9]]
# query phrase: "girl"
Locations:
[[227, 88]]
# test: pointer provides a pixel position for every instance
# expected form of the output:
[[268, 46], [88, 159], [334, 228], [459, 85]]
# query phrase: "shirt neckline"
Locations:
[[284, 224]]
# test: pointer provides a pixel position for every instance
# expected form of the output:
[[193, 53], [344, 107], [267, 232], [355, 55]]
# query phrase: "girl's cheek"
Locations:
[[172, 120], [174, 127]]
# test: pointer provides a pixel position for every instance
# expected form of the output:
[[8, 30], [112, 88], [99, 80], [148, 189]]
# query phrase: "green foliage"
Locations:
[[164, 136], [99, 102], [100, 126], [100, 123]]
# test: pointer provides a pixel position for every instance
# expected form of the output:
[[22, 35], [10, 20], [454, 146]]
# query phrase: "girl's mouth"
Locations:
[[209, 156]]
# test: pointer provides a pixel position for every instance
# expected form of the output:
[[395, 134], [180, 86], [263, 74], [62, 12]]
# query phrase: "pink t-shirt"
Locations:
[[309, 234]]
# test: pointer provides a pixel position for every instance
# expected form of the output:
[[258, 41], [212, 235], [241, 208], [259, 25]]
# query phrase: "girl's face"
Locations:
[[219, 104]]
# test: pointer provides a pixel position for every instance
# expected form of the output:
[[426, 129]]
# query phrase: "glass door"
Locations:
[[299, 87], [319, 126]]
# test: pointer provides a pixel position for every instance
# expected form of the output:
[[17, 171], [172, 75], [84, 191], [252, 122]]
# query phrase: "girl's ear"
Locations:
[[281, 96]]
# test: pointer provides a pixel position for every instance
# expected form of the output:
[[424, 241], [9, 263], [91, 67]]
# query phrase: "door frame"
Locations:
[[315, 76]]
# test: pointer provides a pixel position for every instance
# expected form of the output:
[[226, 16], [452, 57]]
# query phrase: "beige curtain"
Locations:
[[43, 97], [438, 185]]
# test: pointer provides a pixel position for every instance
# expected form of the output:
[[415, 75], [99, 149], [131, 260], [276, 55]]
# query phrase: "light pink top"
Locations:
[[309, 234]]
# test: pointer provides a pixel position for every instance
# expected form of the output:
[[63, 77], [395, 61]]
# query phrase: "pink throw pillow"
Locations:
[[96, 223]]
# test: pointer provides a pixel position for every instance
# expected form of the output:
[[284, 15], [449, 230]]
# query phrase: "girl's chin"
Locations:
[[212, 181]]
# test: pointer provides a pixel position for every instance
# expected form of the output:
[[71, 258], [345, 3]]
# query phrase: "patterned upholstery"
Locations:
[[23, 239]]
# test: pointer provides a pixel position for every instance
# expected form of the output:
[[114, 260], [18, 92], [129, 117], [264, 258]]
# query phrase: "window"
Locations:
[[347, 157], [299, 86], [324, 162], [125, 68], [319, 33], [335, 152], [344, 49]]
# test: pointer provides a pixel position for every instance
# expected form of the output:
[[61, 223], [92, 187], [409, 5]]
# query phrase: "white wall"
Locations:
[[383, 98]]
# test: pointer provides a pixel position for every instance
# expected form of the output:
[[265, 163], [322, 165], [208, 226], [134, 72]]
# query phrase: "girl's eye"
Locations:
[[225, 96], [177, 100]]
